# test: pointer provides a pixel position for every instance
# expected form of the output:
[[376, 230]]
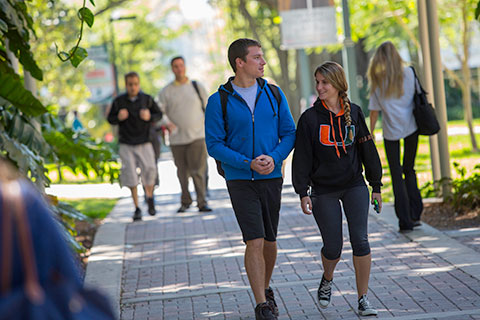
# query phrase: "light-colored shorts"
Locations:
[[137, 156]]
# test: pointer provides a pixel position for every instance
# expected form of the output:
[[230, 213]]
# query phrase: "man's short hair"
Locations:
[[239, 49], [131, 74], [176, 58]]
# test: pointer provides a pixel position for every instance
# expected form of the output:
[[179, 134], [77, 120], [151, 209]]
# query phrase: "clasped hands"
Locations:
[[145, 114], [263, 164]]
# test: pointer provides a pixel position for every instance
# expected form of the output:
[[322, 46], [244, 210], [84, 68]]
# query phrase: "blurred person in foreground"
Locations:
[[39, 277]]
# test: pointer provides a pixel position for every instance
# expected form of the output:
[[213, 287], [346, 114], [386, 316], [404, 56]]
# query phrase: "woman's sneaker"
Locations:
[[364, 307], [324, 292], [271, 300], [264, 311]]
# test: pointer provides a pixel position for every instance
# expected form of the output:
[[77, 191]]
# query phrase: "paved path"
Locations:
[[190, 266]]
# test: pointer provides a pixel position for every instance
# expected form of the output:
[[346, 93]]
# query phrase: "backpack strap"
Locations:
[[195, 85], [276, 93]]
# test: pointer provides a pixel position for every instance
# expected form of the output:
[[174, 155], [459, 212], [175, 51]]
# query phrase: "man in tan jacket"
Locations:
[[182, 101]]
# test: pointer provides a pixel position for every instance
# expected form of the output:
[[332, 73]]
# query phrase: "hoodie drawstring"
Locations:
[[341, 135], [339, 128], [333, 132]]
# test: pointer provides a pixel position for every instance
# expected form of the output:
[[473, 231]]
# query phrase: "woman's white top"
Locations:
[[397, 113]]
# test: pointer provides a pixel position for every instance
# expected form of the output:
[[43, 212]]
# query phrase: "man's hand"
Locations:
[[263, 164], [122, 115], [145, 114], [171, 127], [306, 204], [378, 197]]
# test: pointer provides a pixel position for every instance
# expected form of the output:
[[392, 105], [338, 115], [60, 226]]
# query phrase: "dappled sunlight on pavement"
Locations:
[[190, 266]]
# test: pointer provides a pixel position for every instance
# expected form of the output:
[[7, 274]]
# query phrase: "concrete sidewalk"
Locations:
[[190, 266]]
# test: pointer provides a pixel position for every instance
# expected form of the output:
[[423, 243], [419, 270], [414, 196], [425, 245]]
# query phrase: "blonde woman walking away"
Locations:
[[392, 85]]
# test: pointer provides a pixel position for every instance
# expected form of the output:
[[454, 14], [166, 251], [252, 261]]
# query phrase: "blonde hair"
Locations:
[[385, 71], [335, 75]]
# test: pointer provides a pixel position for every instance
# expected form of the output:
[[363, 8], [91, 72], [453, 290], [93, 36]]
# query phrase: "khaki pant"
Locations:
[[133, 156], [191, 161]]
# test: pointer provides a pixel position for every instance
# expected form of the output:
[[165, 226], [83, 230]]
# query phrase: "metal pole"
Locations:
[[427, 82], [348, 55], [114, 56], [305, 82], [439, 94]]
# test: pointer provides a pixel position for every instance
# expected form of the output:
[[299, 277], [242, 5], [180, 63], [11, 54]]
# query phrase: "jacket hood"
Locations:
[[322, 109], [229, 88]]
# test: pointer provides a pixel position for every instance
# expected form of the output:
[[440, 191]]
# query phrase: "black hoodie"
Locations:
[[134, 130], [326, 159]]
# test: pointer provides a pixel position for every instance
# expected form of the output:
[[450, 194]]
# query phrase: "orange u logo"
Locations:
[[325, 136]]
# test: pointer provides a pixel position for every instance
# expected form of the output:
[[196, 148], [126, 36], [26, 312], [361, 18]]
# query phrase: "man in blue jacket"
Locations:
[[251, 137]]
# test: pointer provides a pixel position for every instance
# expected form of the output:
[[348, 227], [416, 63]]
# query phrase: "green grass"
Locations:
[[459, 149], [97, 208], [69, 177], [462, 123]]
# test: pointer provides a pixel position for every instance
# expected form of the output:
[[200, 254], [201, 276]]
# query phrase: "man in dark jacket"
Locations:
[[133, 112], [251, 138]]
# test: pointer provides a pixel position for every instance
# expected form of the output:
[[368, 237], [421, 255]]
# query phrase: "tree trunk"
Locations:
[[466, 88], [467, 104]]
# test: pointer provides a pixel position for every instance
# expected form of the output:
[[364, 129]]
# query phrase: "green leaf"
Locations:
[[12, 90], [78, 56], [66, 209], [3, 26], [28, 163], [477, 11], [21, 48], [87, 16], [25, 132], [5, 66], [93, 3]]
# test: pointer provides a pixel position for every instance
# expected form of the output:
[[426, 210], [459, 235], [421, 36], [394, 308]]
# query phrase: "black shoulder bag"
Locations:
[[423, 111]]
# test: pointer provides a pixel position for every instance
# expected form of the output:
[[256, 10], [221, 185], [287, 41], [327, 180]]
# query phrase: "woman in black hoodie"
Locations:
[[332, 144]]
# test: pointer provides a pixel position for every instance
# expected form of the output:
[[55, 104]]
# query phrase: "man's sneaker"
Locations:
[[263, 311], [205, 208], [324, 292], [151, 206], [271, 300], [364, 307], [137, 215], [183, 208]]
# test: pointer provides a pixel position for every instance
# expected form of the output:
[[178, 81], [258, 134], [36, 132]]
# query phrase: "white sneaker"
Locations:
[[324, 292], [364, 307]]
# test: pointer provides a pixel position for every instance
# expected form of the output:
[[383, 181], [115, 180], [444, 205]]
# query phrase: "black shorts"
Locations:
[[257, 206]]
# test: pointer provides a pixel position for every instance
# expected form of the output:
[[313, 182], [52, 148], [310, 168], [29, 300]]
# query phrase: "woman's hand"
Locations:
[[378, 197], [306, 204]]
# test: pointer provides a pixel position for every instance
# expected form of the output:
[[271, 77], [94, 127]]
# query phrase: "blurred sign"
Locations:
[[100, 80], [307, 23]]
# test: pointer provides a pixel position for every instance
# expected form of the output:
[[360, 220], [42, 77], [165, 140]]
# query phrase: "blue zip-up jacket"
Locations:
[[270, 130]]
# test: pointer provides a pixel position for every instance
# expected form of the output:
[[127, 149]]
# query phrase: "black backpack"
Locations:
[[224, 100]]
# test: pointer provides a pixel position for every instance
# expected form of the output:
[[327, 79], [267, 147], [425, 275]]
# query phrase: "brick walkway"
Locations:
[[190, 266]]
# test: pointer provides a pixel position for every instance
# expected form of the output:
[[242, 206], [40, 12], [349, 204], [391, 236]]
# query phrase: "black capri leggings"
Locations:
[[328, 215]]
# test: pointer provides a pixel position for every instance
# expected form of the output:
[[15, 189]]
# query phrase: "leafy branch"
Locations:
[[477, 11], [77, 54]]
